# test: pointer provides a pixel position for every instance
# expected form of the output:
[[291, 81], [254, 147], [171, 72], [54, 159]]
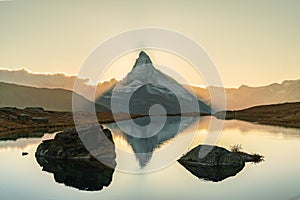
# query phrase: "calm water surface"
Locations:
[[277, 177]]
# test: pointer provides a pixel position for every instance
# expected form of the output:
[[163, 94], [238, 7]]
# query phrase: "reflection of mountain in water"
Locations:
[[144, 147], [213, 173], [84, 175]]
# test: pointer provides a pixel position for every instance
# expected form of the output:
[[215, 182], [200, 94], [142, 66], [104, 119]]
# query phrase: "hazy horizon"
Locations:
[[252, 43], [71, 78]]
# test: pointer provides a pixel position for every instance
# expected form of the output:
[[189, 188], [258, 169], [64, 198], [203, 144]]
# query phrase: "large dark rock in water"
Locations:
[[216, 163], [68, 145], [72, 164], [207, 155]]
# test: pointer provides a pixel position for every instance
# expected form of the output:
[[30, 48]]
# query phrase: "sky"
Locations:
[[251, 42]]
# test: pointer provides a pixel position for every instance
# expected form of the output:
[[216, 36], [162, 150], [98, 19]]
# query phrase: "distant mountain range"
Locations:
[[245, 96], [50, 99], [54, 81], [21, 96]]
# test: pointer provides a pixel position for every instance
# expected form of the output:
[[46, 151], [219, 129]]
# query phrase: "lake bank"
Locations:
[[285, 115], [17, 123]]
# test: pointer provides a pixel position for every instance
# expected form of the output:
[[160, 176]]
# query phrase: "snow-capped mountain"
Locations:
[[145, 86]]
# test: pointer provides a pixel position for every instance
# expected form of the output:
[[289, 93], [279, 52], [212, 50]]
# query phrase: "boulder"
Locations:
[[215, 163], [40, 120], [9, 110], [68, 145], [217, 156], [75, 164], [24, 153], [34, 109], [23, 117]]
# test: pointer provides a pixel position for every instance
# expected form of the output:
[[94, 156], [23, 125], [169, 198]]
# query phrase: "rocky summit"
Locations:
[[142, 59]]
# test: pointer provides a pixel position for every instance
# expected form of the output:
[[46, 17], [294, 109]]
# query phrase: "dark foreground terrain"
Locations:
[[287, 114], [34, 121]]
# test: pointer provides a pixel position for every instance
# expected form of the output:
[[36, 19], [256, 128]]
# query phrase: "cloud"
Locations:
[[25, 77]]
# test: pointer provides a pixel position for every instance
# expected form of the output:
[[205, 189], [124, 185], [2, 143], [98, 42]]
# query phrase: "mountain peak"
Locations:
[[142, 59]]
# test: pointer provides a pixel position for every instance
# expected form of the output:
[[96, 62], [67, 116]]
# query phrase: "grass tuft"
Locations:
[[236, 148]]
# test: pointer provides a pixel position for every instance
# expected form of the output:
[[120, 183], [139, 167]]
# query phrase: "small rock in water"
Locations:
[[24, 153]]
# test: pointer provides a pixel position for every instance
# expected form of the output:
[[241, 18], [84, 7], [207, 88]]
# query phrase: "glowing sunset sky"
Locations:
[[251, 42]]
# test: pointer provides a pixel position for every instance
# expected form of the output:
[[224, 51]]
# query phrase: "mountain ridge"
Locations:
[[13, 95], [247, 96], [237, 98]]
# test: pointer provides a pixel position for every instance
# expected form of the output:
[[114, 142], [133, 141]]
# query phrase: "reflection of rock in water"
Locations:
[[83, 175], [213, 173], [215, 163], [144, 147], [72, 164]]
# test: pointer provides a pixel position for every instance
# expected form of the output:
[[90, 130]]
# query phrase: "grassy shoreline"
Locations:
[[285, 115], [17, 123]]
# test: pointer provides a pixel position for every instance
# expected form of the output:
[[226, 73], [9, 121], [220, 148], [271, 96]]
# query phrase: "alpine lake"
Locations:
[[158, 175]]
